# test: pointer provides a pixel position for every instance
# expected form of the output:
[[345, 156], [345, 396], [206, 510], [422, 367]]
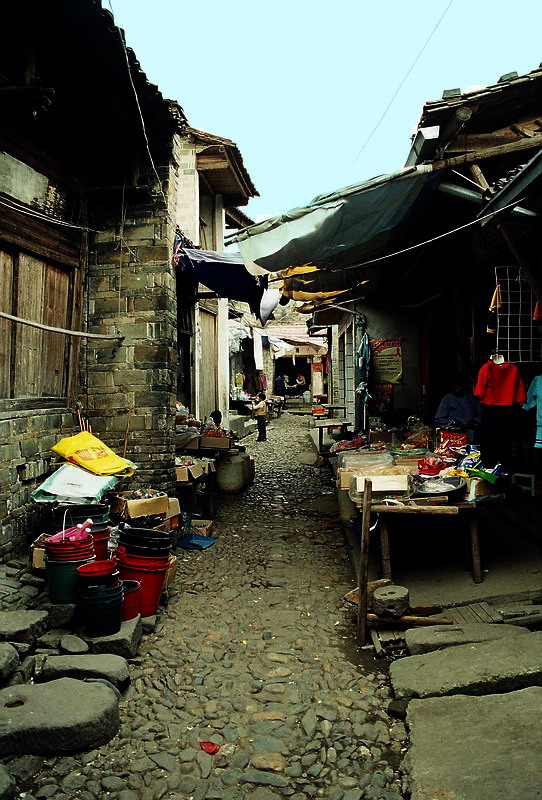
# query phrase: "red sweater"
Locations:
[[499, 385]]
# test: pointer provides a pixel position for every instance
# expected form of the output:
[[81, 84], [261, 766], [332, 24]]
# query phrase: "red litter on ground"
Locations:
[[209, 747]]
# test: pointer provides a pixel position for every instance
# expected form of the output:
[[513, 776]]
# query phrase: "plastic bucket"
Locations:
[[102, 614], [68, 515], [151, 579], [130, 603], [100, 538], [137, 558], [62, 579]]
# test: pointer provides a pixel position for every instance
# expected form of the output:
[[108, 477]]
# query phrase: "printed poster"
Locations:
[[387, 360], [382, 396]]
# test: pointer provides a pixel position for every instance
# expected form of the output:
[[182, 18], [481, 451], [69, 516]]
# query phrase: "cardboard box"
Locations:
[[202, 526], [172, 571], [37, 552], [479, 489], [190, 473], [344, 475], [193, 444], [378, 437], [393, 484], [130, 509], [173, 514], [216, 443]]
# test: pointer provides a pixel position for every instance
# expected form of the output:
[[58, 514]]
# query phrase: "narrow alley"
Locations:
[[256, 654]]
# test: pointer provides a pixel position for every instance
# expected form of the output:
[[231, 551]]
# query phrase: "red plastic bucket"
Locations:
[[96, 568], [101, 537], [151, 579], [130, 603], [135, 558]]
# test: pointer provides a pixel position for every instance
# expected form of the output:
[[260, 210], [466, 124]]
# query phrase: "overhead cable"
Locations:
[[400, 86]]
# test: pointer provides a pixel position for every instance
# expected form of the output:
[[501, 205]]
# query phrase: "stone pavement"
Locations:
[[256, 654]]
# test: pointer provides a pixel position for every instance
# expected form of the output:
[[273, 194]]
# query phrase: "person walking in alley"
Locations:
[[259, 410]]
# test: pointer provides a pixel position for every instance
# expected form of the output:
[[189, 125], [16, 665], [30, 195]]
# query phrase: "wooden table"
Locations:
[[424, 509], [327, 424], [330, 407]]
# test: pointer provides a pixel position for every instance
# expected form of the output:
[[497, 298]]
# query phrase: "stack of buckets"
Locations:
[[65, 516], [64, 553], [100, 597], [143, 556]]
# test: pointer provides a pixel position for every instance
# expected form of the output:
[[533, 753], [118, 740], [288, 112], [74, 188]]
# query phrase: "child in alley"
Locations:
[[259, 410]]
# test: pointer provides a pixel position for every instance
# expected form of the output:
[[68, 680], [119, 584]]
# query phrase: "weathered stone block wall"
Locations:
[[184, 188], [132, 292], [26, 438]]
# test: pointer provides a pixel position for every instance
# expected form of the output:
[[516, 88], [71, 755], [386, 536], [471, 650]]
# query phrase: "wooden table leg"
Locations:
[[363, 575], [475, 548], [385, 547]]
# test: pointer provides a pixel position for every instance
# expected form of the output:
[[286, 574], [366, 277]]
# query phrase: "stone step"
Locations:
[[482, 668], [476, 748], [437, 637], [111, 667], [22, 626]]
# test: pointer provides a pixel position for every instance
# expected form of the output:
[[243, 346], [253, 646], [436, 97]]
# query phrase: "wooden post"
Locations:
[[364, 562]]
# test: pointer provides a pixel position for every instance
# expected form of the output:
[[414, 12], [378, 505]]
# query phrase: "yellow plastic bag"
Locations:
[[89, 452]]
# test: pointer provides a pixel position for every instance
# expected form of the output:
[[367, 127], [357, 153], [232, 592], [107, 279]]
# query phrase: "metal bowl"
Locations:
[[455, 494]]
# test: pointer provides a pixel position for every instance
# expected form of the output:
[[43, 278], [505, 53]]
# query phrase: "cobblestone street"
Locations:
[[256, 654]]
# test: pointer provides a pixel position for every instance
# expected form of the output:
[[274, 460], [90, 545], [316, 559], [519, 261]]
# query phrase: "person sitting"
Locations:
[[459, 408], [300, 384], [280, 385]]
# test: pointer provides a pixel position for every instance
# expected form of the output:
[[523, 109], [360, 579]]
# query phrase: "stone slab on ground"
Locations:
[[475, 748], [124, 643], [9, 660], [73, 645], [112, 668], [149, 624], [7, 785], [499, 666], [62, 716], [61, 615], [22, 626], [437, 637]]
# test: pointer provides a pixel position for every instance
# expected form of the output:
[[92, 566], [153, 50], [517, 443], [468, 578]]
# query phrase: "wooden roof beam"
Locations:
[[491, 152]]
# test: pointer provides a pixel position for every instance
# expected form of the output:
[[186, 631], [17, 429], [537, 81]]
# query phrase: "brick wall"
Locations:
[[26, 439], [132, 292]]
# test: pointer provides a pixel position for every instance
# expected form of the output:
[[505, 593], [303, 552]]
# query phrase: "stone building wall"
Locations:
[[26, 438], [131, 290]]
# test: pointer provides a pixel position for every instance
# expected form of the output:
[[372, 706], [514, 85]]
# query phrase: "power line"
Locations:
[[381, 118]]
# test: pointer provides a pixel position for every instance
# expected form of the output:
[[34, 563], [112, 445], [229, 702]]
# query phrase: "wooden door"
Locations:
[[208, 364]]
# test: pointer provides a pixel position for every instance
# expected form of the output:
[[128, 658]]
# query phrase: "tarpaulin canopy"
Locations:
[[341, 230], [226, 275]]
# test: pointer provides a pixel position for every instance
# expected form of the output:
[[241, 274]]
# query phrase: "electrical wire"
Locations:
[[143, 127], [400, 86], [14, 206]]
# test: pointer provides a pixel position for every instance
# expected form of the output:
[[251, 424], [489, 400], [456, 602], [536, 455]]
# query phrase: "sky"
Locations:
[[299, 85]]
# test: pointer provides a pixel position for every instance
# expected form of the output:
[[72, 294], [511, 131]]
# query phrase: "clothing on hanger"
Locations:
[[499, 385], [496, 303], [534, 398]]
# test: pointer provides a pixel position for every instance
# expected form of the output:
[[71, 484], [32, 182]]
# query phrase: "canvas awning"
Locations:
[[227, 276], [337, 230]]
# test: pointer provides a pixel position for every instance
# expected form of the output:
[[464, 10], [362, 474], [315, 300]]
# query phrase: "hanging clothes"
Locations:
[[499, 388], [534, 398], [496, 303], [499, 385]]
